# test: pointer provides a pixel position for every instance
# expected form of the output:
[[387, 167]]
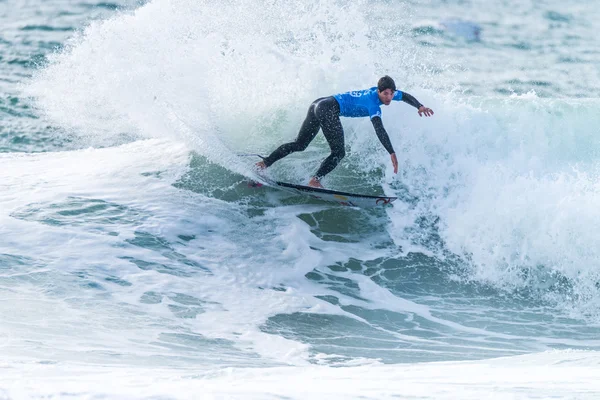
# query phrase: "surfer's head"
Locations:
[[386, 88]]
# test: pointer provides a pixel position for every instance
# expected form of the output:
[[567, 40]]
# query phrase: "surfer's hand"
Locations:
[[394, 162], [425, 110]]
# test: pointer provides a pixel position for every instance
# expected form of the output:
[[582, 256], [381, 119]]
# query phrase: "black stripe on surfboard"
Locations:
[[327, 191]]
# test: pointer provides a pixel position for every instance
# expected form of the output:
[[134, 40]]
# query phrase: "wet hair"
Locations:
[[386, 82]]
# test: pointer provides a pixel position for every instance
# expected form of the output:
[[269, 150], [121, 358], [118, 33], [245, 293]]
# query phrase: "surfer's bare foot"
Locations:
[[261, 165], [314, 182]]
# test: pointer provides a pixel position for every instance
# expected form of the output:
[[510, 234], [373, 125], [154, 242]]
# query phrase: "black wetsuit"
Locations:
[[323, 113]]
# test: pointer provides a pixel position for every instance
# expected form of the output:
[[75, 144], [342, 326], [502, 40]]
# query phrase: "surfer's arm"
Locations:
[[409, 99], [382, 134], [385, 140]]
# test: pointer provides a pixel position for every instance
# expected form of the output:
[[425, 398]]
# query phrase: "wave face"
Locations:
[[132, 238]]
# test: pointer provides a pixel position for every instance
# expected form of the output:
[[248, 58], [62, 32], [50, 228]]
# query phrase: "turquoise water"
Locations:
[[131, 238]]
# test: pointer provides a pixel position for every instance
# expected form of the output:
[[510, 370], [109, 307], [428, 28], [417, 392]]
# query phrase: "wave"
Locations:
[[513, 182], [507, 185]]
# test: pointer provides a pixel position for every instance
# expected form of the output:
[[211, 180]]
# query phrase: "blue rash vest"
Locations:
[[362, 103]]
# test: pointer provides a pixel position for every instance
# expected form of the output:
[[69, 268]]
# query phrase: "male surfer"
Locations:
[[325, 113]]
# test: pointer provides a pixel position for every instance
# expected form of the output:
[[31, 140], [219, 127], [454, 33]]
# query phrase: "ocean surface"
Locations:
[[137, 263]]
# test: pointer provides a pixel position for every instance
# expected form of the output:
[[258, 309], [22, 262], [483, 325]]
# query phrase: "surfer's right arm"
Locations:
[[385, 140]]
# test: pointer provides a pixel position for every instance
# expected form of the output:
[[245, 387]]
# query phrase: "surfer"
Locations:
[[325, 113]]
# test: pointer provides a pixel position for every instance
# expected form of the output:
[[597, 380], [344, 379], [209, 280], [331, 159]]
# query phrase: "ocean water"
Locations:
[[136, 262]]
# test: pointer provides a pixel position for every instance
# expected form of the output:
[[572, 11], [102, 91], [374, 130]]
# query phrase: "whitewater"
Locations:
[[137, 262]]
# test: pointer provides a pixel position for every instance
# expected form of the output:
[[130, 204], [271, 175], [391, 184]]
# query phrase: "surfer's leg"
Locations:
[[328, 114], [308, 131]]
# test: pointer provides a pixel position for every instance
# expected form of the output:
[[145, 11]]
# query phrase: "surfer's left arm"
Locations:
[[385, 140], [409, 99]]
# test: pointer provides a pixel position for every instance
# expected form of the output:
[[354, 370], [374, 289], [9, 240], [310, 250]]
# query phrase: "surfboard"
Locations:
[[341, 198]]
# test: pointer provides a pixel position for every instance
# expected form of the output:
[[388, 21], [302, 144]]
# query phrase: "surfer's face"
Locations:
[[386, 96]]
